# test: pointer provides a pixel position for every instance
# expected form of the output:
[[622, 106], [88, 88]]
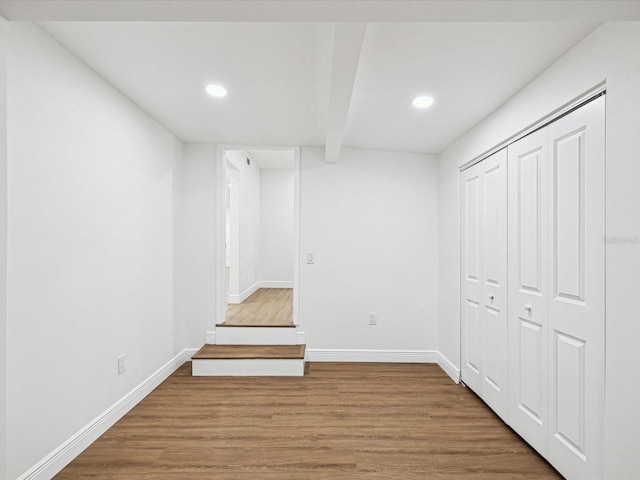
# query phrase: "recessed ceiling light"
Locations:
[[422, 101], [216, 91]]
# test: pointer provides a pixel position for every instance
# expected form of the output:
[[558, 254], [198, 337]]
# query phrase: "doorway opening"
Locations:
[[258, 235]]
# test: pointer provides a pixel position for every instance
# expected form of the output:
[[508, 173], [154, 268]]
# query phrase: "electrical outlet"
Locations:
[[373, 319], [122, 363]]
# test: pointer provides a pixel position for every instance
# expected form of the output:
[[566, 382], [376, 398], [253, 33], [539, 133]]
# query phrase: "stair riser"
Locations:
[[255, 336], [247, 367]]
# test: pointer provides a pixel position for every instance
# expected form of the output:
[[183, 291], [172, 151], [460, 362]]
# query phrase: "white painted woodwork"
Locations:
[[382, 356], [484, 280], [73, 446], [221, 297], [224, 367], [469, 275], [256, 336], [527, 323], [576, 303], [554, 335]]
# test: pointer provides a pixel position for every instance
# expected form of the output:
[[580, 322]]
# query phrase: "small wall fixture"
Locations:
[[217, 91], [422, 101]]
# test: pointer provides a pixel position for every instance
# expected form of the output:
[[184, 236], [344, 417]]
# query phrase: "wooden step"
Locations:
[[248, 360], [250, 351], [256, 335]]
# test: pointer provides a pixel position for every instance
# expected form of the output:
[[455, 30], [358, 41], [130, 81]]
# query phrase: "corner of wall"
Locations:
[[179, 323], [448, 258], [3, 245], [197, 287], [449, 368]]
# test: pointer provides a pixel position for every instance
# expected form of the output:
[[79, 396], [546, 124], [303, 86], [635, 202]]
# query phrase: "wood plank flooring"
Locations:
[[340, 421], [250, 351], [266, 307]]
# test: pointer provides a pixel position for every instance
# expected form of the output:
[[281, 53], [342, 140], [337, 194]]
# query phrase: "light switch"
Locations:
[[310, 257]]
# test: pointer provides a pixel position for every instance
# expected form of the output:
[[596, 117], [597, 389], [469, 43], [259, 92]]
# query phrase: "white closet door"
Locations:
[[528, 288], [576, 291], [470, 274], [484, 280]]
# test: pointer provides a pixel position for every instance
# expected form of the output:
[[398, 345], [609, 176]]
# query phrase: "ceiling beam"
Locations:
[[347, 47]]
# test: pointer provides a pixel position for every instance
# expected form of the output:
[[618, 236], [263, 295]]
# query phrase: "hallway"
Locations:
[[272, 307]]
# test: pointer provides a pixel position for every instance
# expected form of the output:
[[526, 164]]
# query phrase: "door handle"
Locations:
[[527, 308]]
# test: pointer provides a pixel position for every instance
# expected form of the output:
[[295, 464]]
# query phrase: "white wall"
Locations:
[[180, 323], [371, 222], [609, 53], [199, 242], [90, 246], [232, 246], [249, 213], [4, 32], [276, 224]]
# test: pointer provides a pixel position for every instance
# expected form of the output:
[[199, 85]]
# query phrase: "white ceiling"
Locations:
[[279, 75], [470, 69]]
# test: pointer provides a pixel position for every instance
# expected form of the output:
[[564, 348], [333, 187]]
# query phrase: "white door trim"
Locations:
[[221, 227]]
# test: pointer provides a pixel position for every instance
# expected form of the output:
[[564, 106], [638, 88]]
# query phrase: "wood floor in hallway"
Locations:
[[341, 421], [266, 307]]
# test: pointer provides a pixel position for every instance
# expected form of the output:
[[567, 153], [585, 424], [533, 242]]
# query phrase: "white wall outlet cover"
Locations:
[[122, 365]]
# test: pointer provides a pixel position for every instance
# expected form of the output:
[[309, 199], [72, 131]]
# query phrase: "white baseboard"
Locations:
[[391, 356], [188, 353], [65, 453], [236, 299], [301, 338], [276, 284], [53, 463], [241, 297], [449, 368], [210, 338]]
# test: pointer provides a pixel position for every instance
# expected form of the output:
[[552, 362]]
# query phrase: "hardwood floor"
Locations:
[[340, 421], [266, 307], [250, 351]]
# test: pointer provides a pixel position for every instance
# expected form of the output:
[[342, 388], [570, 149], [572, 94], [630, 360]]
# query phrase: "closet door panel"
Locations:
[[576, 304], [531, 367], [484, 280], [494, 257], [494, 222], [527, 315], [472, 324], [471, 288], [471, 220]]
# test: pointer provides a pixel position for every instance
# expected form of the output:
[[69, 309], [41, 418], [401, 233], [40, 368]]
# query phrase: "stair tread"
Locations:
[[274, 352]]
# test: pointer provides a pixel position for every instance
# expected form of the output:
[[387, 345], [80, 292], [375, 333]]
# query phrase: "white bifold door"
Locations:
[[528, 252], [484, 280], [576, 307], [555, 291]]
